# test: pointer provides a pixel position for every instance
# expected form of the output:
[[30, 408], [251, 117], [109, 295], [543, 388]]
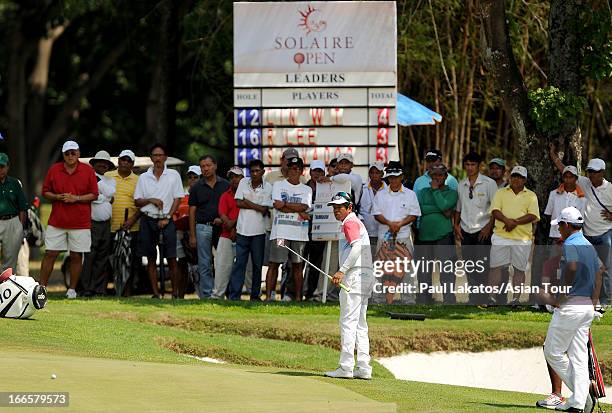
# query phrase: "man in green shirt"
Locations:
[[13, 209], [436, 236]]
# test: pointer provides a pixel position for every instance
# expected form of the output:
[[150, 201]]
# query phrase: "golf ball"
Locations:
[[53, 376]]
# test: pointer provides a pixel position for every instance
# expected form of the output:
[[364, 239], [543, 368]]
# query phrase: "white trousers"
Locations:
[[565, 348], [354, 332], [224, 259]]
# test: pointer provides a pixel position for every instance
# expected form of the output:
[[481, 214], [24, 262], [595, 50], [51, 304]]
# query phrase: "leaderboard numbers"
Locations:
[[382, 155], [248, 117], [249, 137], [246, 155]]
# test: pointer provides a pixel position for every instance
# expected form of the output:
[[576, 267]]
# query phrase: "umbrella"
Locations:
[[410, 112], [122, 259]]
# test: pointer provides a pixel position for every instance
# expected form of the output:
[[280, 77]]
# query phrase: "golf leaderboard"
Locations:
[[325, 84]]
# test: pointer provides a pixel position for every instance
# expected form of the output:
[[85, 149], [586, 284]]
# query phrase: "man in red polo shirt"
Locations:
[[71, 186], [226, 249]]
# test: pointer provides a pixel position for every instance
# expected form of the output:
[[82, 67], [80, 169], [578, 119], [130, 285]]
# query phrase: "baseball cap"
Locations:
[[378, 165], [394, 169], [340, 198], [571, 215], [194, 169], [520, 170], [69, 145], [346, 156], [295, 161], [433, 154], [596, 165], [438, 170], [570, 168], [317, 165], [128, 153], [290, 153], [4, 159], [498, 161], [102, 156], [235, 170]]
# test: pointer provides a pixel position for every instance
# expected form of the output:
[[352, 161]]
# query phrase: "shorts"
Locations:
[[62, 239], [279, 254], [149, 238], [513, 252]]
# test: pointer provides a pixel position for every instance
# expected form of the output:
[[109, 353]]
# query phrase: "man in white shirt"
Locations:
[[568, 194], [344, 174], [597, 216], [473, 223], [395, 208], [291, 200], [253, 197], [158, 194], [96, 262], [375, 184]]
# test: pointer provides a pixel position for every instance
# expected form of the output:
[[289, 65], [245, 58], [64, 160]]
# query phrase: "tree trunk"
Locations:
[[15, 107], [169, 38], [532, 147], [565, 63]]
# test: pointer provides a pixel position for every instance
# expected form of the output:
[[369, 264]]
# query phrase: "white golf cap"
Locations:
[[195, 169], [346, 156], [571, 215], [378, 165], [235, 170], [128, 153], [520, 170], [318, 164], [69, 145], [102, 156], [340, 198], [596, 164], [571, 169]]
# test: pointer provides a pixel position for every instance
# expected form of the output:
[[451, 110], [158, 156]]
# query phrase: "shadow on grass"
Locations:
[[298, 374], [507, 406]]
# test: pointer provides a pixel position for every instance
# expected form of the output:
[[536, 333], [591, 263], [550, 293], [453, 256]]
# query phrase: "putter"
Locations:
[[281, 243]]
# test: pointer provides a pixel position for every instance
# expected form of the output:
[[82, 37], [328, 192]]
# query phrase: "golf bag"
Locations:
[[598, 389], [20, 297]]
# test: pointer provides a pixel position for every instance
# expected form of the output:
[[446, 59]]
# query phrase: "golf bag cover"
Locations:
[[20, 297]]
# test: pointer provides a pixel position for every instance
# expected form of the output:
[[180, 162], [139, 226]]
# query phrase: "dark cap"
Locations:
[[290, 153], [295, 161], [433, 154]]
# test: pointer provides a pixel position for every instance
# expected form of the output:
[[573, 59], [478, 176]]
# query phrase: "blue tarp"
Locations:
[[410, 112]]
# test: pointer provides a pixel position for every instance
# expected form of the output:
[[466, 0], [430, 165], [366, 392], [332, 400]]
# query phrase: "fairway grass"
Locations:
[[130, 355]]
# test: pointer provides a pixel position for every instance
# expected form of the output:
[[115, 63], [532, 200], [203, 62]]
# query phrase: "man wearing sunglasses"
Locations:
[[473, 222], [71, 186]]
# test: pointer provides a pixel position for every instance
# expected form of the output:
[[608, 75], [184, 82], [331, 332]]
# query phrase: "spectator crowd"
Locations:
[[219, 233]]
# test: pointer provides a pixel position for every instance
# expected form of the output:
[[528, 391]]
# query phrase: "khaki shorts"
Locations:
[[61, 239], [280, 254]]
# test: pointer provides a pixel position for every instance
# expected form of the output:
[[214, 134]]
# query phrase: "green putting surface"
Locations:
[[102, 385]]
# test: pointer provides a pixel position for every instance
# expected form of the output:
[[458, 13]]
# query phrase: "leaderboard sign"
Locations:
[[317, 76]]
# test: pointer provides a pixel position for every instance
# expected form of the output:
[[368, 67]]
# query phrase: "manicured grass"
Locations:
[[282, 340]]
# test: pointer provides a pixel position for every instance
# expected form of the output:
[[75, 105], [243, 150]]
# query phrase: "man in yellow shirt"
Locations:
[[515, 209], [126, 181]]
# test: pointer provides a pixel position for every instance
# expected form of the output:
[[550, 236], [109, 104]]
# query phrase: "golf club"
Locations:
[[281, 243]]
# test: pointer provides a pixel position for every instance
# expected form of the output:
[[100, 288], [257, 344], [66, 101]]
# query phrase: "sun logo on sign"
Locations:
[[311, 20]]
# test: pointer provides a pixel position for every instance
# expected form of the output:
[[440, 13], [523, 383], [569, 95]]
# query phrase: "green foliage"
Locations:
[[597, 49], [551, 109]]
